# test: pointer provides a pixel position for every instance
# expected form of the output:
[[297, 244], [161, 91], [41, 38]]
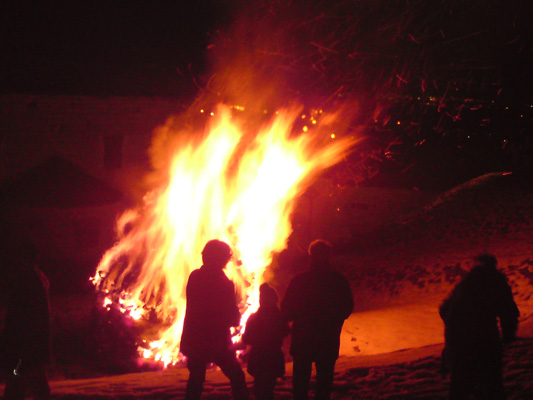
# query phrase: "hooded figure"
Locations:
[[473, 339], [210, 313], [264, 332], [317, 302]]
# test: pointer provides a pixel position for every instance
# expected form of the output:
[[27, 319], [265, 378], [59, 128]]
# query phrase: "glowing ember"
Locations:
[[226, 183]]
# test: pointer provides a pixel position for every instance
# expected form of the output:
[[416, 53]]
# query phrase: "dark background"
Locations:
[[160, 47], [105, 47], [445, 85]]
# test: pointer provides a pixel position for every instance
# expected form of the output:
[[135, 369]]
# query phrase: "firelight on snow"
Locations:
[[232, 181]]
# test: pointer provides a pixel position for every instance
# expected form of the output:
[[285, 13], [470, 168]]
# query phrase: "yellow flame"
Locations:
[[227, 185]]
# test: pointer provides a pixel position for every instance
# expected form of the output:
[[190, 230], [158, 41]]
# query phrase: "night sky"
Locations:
[[158, 47], [107, 46]]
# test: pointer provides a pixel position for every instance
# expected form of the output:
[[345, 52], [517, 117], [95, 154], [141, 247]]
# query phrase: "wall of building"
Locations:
[[108, 137]]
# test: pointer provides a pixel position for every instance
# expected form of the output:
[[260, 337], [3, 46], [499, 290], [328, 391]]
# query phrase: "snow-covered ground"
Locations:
[[406, 374], [390, 347]]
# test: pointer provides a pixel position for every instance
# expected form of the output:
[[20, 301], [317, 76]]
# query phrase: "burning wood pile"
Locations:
[[231, 181]]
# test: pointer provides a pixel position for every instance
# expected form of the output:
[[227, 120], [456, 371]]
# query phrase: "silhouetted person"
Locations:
[[473, 342], [25, 339], [317, 302], [211, 312], [264, 332]]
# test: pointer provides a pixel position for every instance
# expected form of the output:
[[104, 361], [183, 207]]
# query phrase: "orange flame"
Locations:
[[227, 184]]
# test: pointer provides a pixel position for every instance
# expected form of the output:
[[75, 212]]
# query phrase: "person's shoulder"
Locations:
[[502, 282], [337, 274], [254, 320], [332, 274], [490, 274], [196, 275], [501, 275], [303, 275], [302, 278], [253, 317]]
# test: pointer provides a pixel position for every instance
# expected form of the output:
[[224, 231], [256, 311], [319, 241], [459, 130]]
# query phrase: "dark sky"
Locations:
[[160, 47], [71, 45]]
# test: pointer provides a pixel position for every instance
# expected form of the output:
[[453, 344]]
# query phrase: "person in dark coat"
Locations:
[[317, 302], [473, 340], [25, 338], [210, 313], [264, 332]]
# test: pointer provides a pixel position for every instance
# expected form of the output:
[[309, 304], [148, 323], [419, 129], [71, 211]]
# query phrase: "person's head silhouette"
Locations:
[[320, 252], [216, 253], [267, 296], [486, 260]]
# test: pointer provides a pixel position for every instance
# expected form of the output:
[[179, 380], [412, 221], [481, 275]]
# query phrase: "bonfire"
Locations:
[[233, 180]]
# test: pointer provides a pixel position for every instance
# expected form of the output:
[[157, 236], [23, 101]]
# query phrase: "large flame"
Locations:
[[226, 183]]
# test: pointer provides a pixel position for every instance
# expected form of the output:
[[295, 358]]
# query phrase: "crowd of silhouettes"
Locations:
[[479, 316], [316, 303]]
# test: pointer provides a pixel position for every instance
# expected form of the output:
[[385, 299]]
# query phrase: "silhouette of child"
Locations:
[[264, 332]]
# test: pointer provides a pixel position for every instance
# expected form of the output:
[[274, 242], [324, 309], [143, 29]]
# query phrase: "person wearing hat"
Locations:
[[210, 313]]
